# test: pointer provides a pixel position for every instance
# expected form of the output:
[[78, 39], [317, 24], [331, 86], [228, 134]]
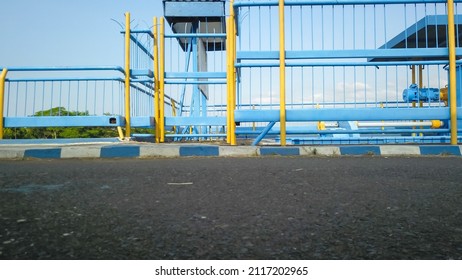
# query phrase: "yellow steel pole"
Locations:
[[413, 82], [234, 81], [233, 73], [421, 86], [2, 99], [282, 73], [127, 75], [156, 80], [228, 80], [452, 73], [420, 76], [162, 81], [413, 74]]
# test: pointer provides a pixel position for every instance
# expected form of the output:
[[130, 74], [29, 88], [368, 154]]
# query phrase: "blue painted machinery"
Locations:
[[416, 94]]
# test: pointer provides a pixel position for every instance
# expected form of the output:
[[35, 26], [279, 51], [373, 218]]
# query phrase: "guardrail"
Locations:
[[311, 62], [73, 96]]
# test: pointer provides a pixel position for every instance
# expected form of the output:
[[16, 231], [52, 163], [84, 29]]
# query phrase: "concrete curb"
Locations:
[[143, 150]]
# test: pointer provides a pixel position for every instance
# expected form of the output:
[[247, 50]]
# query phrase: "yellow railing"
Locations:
[[162, 81], [452, 73], [156, 81], [127, 75], [282, 73], [2, 99], [231, 75]]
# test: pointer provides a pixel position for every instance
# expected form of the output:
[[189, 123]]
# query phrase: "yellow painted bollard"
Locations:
[[232, 75], [452, 72], [127, 76], [282, 73], [156, 80], [229, 75], [2, 99], [162, 81]]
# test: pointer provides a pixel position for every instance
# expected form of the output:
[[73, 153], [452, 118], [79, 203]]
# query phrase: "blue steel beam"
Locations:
[[142, 121], [308, 131], [66, 68], [177, 82], [142, 73], [263, 133], [371, 140], [344, 114], [238, 4], [142, 47], [180, 121], [200, 135], [195, 75], [88, 121], [64, 121], [148, 32], [404, 54], [344, 63], [82, 79]]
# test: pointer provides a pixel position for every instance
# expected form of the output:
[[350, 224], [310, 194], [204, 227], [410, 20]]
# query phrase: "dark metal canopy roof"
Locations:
[[429, 32], [197, 16]]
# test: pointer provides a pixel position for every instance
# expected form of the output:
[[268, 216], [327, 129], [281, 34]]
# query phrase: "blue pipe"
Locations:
[[64, 79], [66, 68], [196, 135], [346, 64], [263, 133], [361, 131]]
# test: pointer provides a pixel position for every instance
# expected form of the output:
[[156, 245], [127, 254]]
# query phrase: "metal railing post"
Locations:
[[234, 74], [2, 99], [282, 73], [127, 76], [156, 81], [162, 80], [228, 79], [452, 73]]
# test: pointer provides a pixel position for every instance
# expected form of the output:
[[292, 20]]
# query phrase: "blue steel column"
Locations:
[[196, 98]]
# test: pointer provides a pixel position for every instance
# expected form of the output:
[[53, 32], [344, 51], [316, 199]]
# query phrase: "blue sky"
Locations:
[[65, 32], [81, 33]]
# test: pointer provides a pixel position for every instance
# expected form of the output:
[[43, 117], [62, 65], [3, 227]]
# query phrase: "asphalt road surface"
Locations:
[[232, 208]]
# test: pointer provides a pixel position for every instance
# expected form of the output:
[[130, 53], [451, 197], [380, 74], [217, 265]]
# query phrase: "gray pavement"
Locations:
[[232, 208]]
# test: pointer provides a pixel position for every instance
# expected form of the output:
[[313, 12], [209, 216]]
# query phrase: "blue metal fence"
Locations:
[[46, 96], [83, 96], [348, 63]]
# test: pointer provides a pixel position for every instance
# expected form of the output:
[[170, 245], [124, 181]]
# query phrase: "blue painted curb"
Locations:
[[359, 150], [440, 150], [120, 152], [279, 151], [199, 151], [135, 151], [43, 153]]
